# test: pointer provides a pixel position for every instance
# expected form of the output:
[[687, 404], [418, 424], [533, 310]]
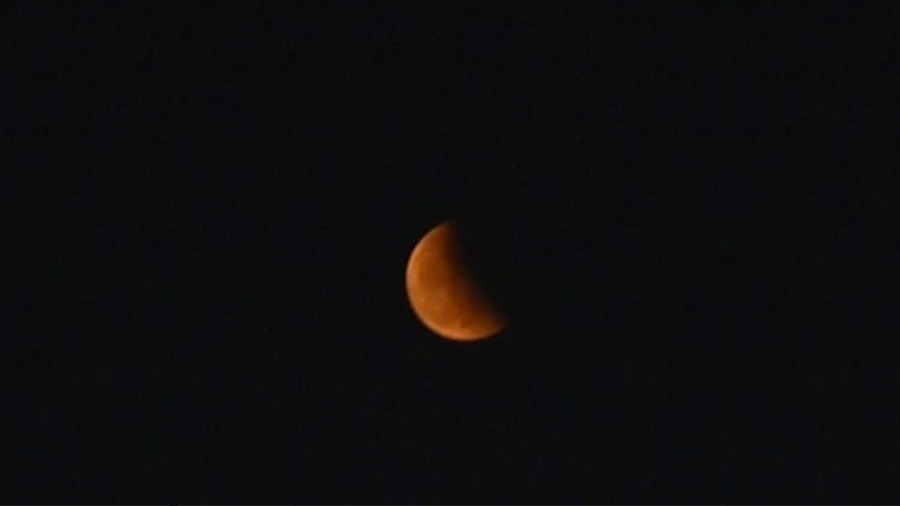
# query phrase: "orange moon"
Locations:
[[444, 294]]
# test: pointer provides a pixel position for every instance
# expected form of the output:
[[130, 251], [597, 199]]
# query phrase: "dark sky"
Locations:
[[689, 218]]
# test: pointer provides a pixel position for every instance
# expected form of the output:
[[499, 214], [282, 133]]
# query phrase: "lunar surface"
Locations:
[[444, 294]]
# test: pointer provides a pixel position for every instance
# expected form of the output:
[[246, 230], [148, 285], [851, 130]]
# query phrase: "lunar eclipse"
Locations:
[[443, 292]]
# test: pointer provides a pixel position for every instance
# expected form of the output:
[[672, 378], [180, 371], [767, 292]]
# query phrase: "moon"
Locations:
[[444, 294]]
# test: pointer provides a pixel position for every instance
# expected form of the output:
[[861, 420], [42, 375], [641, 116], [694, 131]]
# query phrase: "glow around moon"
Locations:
[[444, 294]]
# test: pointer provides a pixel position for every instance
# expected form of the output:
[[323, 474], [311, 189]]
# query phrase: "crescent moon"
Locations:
[[443, 293]]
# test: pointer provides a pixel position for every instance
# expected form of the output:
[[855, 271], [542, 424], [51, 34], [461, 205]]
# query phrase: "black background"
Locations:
[[689, 218]]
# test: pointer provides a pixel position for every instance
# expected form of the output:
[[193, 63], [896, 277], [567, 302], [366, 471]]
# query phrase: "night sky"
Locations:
[[689, 219]]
